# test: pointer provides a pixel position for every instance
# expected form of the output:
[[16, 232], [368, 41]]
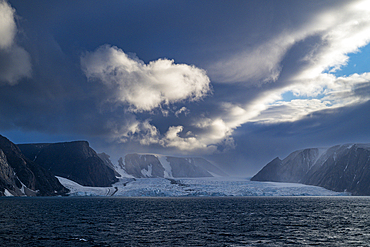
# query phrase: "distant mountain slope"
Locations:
[[141, 166], [186, 167], [291, 169], [106, 159], [73, 160], [159, 166], [339, 168], [20, 176], [346, 168]]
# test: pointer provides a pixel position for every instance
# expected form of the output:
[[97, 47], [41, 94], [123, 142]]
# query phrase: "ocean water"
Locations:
[[220, 221]]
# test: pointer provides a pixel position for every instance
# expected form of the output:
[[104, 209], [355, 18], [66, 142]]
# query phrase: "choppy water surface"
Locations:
[[263, 221]]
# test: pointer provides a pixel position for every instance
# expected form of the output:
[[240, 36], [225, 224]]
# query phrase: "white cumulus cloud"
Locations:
[[8, 28], [145, 86], [15, 62]]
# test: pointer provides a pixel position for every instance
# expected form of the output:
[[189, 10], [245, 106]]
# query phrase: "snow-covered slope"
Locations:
[[79, 190], [214, 186]]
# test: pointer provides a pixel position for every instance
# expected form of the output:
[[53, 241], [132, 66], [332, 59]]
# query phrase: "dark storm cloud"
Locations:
[[253, 52]]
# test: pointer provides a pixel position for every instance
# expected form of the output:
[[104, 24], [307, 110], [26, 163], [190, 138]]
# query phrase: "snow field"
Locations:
[[181, 187]]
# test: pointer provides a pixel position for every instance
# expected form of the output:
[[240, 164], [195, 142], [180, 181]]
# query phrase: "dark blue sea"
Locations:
[[248, 221]]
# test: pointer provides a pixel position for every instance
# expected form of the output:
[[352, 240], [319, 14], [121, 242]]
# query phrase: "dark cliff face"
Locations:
[[72, 160], [19, 175], [340, 168], [8, 179]]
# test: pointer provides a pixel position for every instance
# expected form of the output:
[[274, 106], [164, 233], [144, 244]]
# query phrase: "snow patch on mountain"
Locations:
[[147, 172], [7, 193], [166, 165], [79, 190]]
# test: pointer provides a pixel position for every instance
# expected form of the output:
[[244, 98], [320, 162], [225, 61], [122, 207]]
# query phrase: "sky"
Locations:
[[236, 82]]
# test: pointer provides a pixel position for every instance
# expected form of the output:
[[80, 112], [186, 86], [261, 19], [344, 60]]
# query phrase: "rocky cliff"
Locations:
[[152, 165], [73, 160], [20, 176], [339, 168]]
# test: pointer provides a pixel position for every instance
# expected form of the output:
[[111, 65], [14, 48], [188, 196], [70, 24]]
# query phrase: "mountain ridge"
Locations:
[[74, 160], [342, 168], [19, 176]]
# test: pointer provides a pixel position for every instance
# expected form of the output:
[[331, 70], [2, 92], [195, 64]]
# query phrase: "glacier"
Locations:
[[184, 187]]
